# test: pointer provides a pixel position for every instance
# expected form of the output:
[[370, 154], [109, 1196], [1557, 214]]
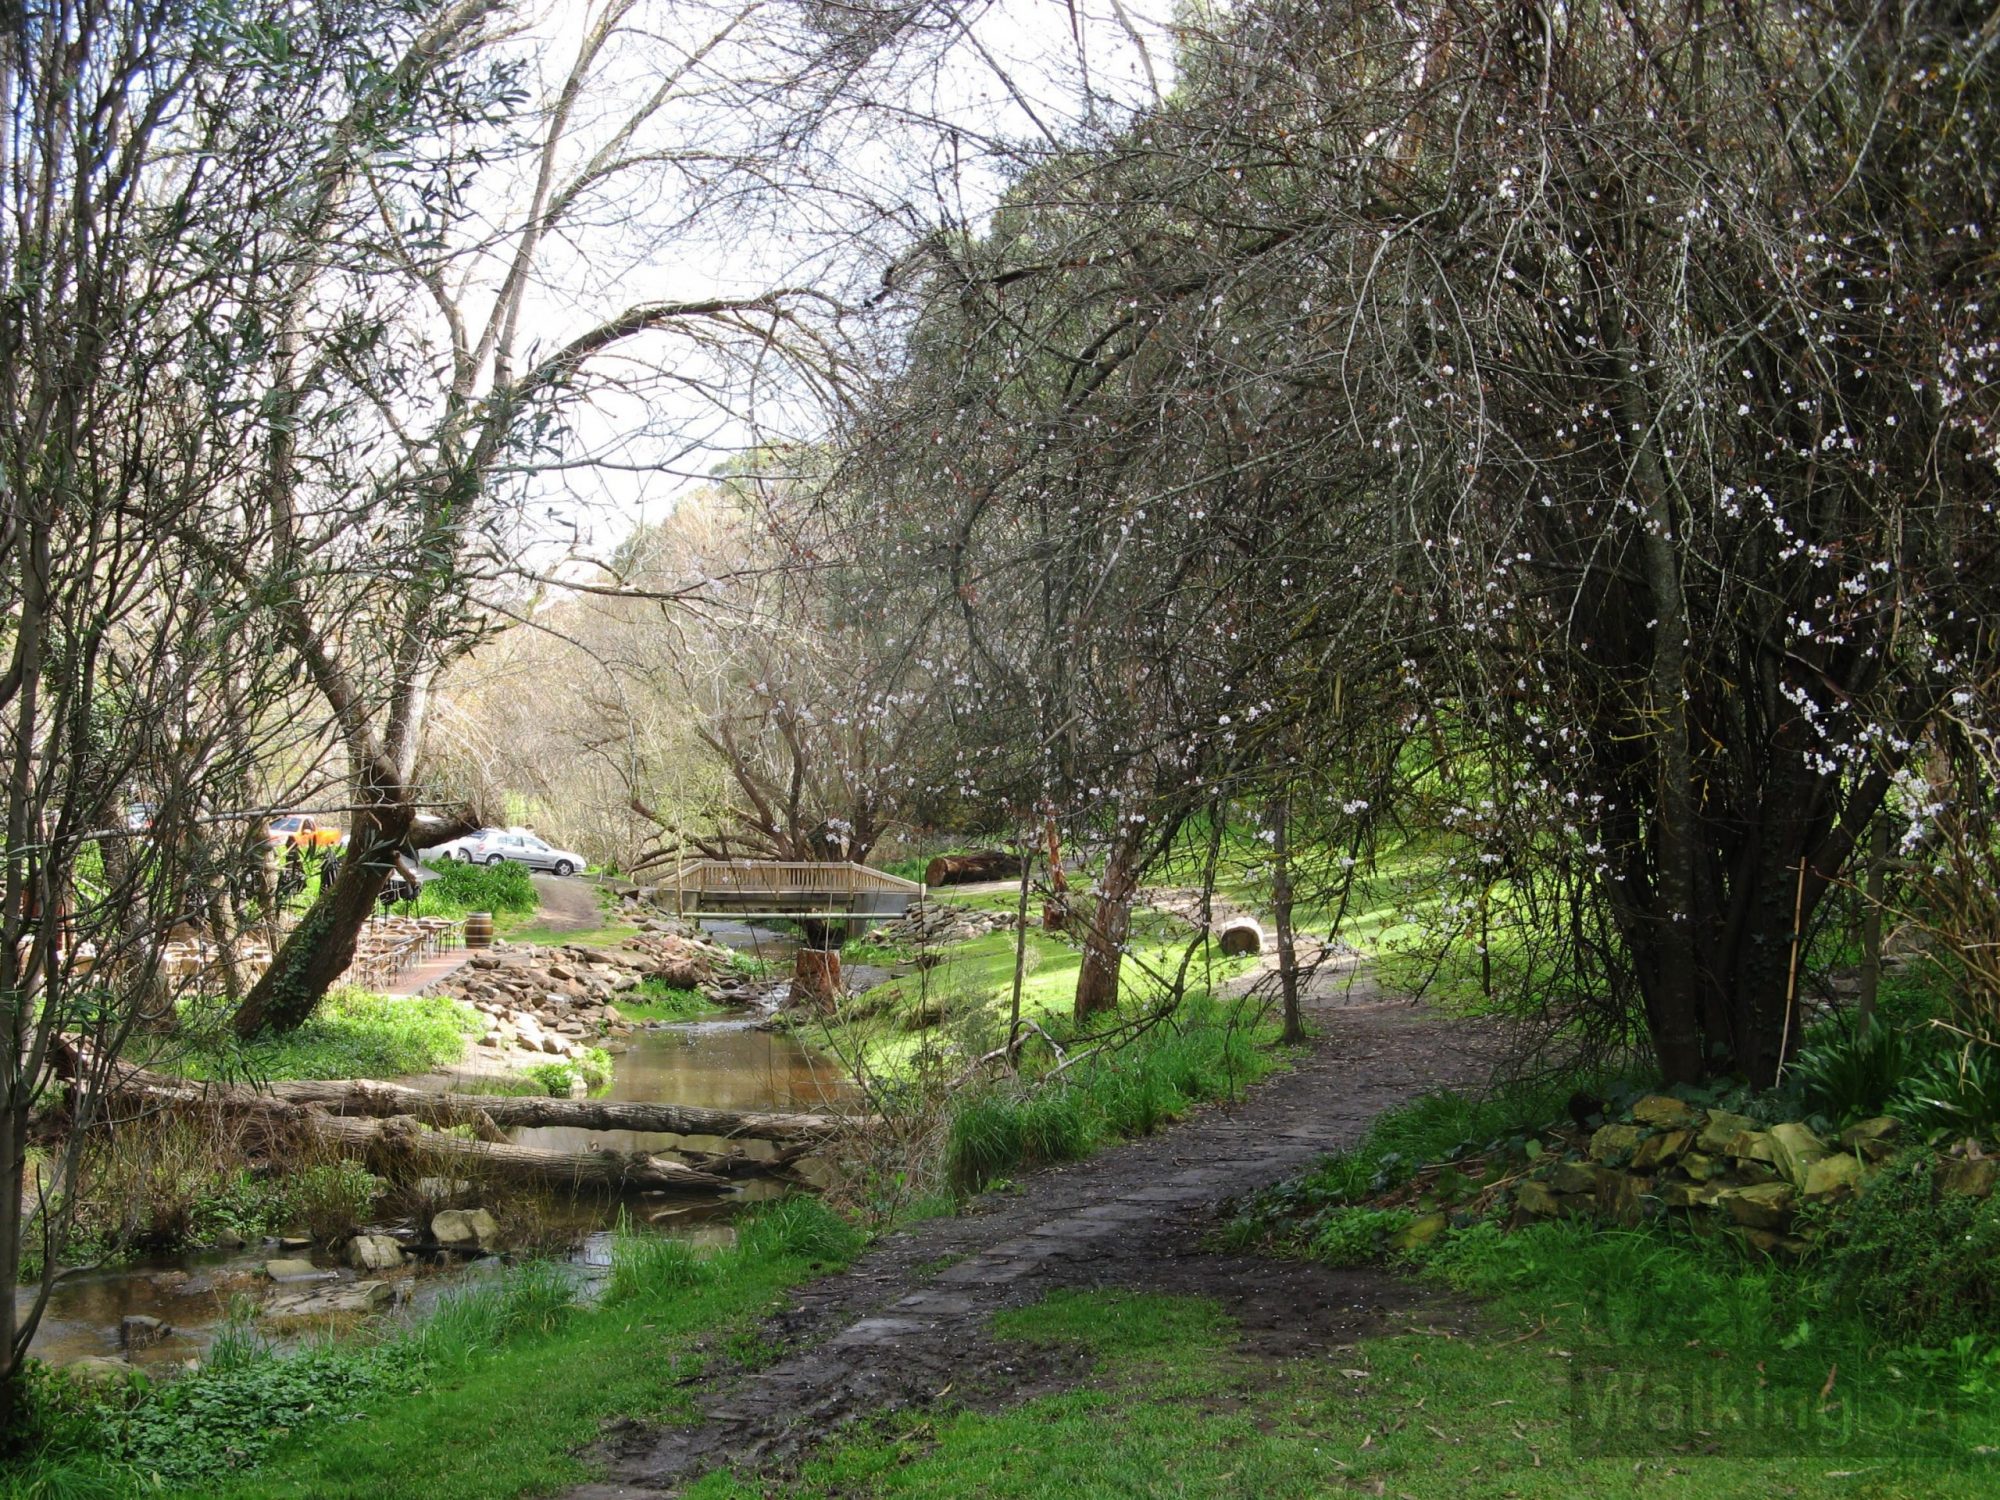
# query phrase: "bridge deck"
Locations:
[[791, 888]]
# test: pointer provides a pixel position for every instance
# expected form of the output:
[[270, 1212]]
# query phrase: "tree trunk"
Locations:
[[1104, 939], [1055, 912], [13, 1130], [322, 946], [1871, 924], [1020, 959], [1281, 911]]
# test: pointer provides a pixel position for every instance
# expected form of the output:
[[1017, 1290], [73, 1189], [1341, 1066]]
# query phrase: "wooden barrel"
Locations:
[[479, 929]]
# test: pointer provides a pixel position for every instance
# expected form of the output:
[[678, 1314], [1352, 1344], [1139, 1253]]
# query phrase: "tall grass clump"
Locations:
[[533, 1300], [1202, 1053], [802, 1228]]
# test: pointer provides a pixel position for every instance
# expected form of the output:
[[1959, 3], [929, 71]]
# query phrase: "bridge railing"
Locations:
[[812, 881]]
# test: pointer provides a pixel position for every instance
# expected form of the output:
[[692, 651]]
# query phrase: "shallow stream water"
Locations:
[[728, 1062]]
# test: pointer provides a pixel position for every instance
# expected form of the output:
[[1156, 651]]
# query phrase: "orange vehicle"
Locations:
[[302, 832]]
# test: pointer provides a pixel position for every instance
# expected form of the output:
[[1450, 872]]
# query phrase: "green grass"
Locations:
[[541, 934], [1208, 1050], [1175, 1408], [967, 995], [353, 1034], [656, 1000]]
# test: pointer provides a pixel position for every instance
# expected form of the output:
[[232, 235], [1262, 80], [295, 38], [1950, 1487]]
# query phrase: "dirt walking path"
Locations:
[[569, 904], [909, 1321]]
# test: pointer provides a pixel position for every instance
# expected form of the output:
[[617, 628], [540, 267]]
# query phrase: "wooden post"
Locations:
[[1020, 955]]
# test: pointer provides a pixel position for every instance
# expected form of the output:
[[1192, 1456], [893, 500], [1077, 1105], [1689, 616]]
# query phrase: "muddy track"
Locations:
[[911, 1318]]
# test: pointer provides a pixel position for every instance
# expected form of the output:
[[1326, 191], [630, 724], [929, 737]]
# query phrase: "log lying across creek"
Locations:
[[365, 1097], [397, 1134], [378, 1140]]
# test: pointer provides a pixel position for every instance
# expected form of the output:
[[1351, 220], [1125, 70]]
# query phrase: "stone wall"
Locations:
[[1719, 1169]]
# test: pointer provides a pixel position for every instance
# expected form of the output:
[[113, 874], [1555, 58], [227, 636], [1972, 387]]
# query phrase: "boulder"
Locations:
[[1663, 1112], [1662, 1150], [1536, 1198], [1794, 1149], [1697, 1166], [295, 1270], [1623, 1197], [330, 1301], [1689, 1194], [1752, 1145], [1418, 1232], [1720, 1129], [137, 1331], [466, 1229], [1615, 1140], [374, 1252], [1573, 1177], [1874, 1139], [1765, 1205], [1831, 1179], [1975, 1176], [1240, 935], [99, 1369]]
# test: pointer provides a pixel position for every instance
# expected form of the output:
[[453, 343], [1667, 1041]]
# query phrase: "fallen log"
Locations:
[[366, 1097], [401, 1138], [963, 869]]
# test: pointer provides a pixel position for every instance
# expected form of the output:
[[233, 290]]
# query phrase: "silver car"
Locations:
[[458, 848], [489, 847]]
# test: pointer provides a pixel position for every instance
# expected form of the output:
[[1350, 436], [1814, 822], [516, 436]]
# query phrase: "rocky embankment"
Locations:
[[935, 923], [557, 1002]]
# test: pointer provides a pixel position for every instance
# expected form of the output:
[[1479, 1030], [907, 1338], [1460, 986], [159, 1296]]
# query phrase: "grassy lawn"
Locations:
[[352, 1034], [530, 929], [1175, 1408]]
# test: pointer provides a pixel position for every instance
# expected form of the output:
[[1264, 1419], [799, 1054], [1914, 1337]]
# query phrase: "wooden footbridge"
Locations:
[[752, 889]]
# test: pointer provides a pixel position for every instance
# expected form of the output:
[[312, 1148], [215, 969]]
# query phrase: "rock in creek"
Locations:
[[466, 1229], [374, 1252], [353, 1297], [295, 1270], [137, 1331]]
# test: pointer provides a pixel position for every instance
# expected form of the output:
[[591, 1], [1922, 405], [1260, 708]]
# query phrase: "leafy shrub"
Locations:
[[461, 887], [1957, 1091], [1919, 1262], [1356, 1236], [1849, 1074], [556, 1078]]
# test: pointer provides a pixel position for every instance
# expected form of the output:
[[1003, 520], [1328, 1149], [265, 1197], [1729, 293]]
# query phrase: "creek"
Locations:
[[730, 1061]]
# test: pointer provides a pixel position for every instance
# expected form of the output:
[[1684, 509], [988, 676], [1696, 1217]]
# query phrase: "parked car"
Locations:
[[490, 846], [302, 832], [458, 848]]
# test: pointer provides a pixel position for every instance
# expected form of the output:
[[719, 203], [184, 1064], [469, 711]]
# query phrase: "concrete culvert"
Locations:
[[1241, 935]]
